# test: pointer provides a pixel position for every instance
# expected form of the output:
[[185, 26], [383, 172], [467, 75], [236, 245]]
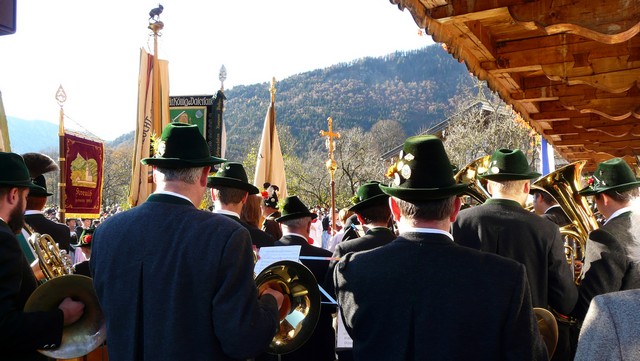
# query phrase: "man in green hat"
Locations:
[[372, 211], [612, 251], [230, 188], [502, 226], [184, 269], [424, 297], [296, 224], [22, 333]]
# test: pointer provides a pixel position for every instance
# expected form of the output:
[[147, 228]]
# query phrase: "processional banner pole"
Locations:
[[331, 167], [61, 97]]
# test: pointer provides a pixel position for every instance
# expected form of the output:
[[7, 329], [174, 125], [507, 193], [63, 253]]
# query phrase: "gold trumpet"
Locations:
[[563, 185], [300, 309], [89, 332]]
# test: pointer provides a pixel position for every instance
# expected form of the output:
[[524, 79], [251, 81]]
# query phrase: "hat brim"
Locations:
[[375, 200], [425, 194], [24, 184], [590, 191], [509, 176], [182, 163], [231, 183], [296, 215], [39, 193]]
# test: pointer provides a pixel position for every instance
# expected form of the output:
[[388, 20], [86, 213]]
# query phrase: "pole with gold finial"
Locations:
[[272, 90], [332, 166], [61, 97], [156, 112]]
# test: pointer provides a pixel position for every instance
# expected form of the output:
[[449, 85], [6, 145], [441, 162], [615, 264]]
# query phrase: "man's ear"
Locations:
[[395, 209], [203, 176], [456, 209], [360, 219]]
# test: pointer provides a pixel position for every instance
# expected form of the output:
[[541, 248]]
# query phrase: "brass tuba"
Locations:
[[563, 184], [300, 309], [89, 332], [469, 174]]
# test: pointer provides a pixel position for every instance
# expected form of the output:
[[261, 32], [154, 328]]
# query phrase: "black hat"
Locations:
[[270, 195], [508, 164], [40, 181], [85, 238], [369, 194], [423, 171], [182, 146], [232, 175], [294, 208], [613, 174], [15, 173]]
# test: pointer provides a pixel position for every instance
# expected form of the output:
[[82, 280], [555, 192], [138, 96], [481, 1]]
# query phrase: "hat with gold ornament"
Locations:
[[508, 164], [423, 171], [369, 194], [182, 146]]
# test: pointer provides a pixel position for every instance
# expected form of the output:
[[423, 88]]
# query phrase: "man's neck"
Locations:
[[232, 207]]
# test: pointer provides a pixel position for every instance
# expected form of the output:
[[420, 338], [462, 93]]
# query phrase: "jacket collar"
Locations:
[[169, 198], [503, 202]]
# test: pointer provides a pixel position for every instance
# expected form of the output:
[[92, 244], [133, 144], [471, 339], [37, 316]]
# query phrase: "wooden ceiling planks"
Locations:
[[571, 68]]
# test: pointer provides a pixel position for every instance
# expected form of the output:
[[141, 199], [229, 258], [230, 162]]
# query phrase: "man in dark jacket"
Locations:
[[502, 226], [612, 251], [296, 224], [372, 211], [22, 333], [182, 288], [423, 297], [229, 191]]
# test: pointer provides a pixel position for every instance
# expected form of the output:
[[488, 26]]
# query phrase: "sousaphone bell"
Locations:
[[82, 336], [301, 305]]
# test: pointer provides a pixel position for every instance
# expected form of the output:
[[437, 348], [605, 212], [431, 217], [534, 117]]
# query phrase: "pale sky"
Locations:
[[92, 49]]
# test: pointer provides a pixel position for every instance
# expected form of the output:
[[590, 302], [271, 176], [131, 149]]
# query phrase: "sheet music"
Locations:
[[343, 340], [269, 255]]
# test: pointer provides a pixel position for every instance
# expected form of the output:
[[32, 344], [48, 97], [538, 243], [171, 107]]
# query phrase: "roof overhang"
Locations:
[[571, 68]]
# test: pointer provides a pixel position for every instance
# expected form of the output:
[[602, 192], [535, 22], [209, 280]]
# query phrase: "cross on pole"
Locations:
[[331, 167]]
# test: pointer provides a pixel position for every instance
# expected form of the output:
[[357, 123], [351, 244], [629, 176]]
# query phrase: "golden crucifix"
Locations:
[[331, 167]]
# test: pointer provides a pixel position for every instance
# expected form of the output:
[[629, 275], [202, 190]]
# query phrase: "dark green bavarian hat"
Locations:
[[507, 165], [293, 208], [611, 175], [423, 171], [232, 175], [40, 181], [15, 173], [182, 146], [369, 194]]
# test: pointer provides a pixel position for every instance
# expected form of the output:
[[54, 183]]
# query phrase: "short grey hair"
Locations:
[[186, 175], [296, 222]]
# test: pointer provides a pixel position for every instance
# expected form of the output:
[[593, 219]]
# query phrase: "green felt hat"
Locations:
[[232, 175], [369, 194], [85, 238], [14, 172], [293, 208], [40, 181], [613, 174], [182, 146], [423, 171], [508, 164]]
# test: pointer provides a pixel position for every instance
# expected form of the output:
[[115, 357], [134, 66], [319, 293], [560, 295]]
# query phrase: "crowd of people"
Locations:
[[413, 275]]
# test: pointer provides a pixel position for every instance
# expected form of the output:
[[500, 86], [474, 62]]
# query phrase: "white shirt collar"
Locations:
[[224, 211], [617, 213], [293, 234], [174, 194], [32, 211], [408, 229]]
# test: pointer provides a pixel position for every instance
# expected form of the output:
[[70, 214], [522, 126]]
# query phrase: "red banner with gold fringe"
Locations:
[[83, 176]]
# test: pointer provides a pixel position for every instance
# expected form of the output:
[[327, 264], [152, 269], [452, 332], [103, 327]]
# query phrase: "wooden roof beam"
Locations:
[[475, 8]]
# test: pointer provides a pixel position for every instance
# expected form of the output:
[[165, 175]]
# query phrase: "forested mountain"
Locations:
[[412, 88]]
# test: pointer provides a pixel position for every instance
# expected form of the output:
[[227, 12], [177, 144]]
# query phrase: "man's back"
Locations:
[[462, 304], [181, 288], [505, 228], [58, 231]]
